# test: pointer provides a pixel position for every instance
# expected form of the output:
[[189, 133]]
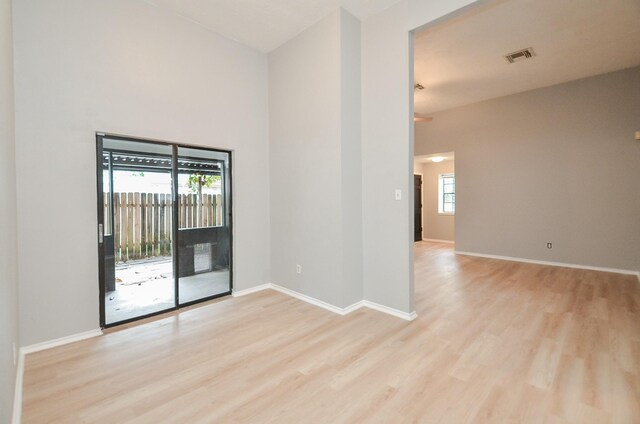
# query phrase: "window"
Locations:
[[447, 194]]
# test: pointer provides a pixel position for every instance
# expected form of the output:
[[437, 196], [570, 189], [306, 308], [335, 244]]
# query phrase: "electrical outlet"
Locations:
[[549, 245], [298, 269]]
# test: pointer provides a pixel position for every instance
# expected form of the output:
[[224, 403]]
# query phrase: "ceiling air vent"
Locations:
[[520, 55]]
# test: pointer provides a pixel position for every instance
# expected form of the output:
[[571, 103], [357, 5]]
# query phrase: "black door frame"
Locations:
[[417, 177], [228, 214]]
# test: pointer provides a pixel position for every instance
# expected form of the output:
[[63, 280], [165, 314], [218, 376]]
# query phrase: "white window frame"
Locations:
[[441, 193]]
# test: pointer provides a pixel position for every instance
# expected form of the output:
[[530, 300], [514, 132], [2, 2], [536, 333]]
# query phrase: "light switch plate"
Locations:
[[398, 194]]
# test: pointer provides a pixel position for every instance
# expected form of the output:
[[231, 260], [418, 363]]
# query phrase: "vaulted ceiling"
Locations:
[[462, 60], [265, 24]]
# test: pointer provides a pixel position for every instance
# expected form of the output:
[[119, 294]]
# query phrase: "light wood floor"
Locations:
[[495, 341]]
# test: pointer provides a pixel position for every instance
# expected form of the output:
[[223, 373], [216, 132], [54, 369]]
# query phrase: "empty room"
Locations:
[[355, 211]]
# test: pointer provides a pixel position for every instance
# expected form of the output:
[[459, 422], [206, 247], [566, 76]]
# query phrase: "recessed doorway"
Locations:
[[438, 196]]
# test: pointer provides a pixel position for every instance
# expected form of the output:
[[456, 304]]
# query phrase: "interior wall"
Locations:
[[315, 161], [387, 148], [8, 267], [435, 226], [417, 167], [304, 126], [123, 67], [351, 160], [557, 164]]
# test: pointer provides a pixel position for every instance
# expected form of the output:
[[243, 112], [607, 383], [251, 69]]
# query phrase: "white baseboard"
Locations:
[[25, 350], [560, 264], [329, 307], [407, 316], [17, 396], [238, 293], [61, 341], [354, 307], [439, 241], [314, 301]]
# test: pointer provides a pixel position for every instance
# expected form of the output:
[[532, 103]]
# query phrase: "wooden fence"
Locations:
[[142, 221]]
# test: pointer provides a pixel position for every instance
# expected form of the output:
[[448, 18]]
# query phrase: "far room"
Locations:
[[535, 101]]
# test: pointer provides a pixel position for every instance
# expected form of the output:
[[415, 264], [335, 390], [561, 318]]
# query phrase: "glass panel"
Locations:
[[203, 230], [141, 242], [446, 190]]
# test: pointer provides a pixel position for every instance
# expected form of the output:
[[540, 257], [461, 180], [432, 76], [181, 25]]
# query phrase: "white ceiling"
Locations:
[[448, 156], [265, 24], [462, 61]]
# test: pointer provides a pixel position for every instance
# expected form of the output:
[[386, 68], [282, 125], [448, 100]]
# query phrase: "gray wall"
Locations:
[[315, 161], [388, 145], [434, 225], [130, 68], [121, 67], [557, 164], [351, 161], [8, 269]]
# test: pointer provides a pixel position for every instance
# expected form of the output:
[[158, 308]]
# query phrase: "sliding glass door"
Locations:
[[203, 224], [164, 236]]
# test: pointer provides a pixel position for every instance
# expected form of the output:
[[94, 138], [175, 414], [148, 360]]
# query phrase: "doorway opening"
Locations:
[[438, 196], [164, 219]]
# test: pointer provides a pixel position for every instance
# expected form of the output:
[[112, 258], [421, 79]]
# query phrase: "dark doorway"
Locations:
[[417, 207]]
